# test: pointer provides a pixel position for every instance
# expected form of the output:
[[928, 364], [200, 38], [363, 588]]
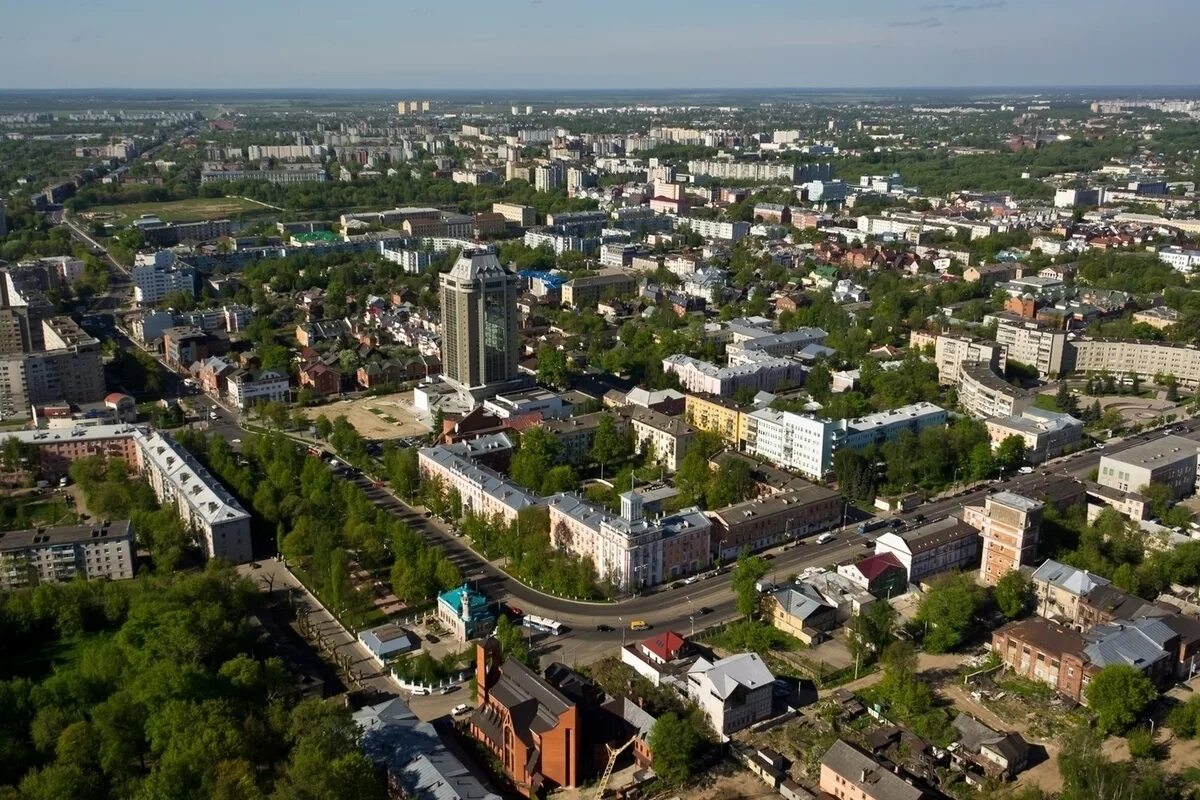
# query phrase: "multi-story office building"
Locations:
[[205, 506], [153, 283], [1032, 344], [479, 322], [184, 345], [484, 492], [1009, 525], [1169, 460], [57, 555]]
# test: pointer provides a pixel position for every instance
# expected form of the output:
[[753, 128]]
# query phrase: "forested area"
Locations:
[[157, 688]]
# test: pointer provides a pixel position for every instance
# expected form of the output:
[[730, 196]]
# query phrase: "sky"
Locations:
[[583, 44]]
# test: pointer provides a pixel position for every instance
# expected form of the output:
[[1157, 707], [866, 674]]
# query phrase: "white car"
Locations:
[[421, 691], [460, 709], [823, 538]]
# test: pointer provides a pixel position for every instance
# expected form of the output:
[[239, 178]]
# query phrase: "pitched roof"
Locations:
[[872, 567], [666, 645], [1077, 581], [740, 670], [866, 774]]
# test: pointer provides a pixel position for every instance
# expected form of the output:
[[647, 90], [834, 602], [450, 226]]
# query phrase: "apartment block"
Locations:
[[1032, 344], [588, 290], [152, 283], [58, 555], [983, 394], [952, 352], [205, 506], [793, 513], [716, 414], [1009, 525]]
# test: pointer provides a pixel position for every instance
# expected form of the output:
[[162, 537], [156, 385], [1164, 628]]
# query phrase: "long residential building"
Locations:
[[1146, 359], [57, 555], [952, 352], [807, 443], [206, 506], [766, 521], [1032, 344], [484, 491], [628, 549], [982, 393]]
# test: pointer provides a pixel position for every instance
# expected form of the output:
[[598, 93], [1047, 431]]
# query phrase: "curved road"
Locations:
[[678, 608]]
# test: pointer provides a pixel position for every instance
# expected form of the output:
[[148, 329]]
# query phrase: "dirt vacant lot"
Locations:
[[389, 416]]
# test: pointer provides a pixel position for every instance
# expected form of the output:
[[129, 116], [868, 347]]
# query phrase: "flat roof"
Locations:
[[1156, 452], [66, 534]]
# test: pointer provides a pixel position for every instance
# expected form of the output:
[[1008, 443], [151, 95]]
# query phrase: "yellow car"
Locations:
[[639, 625]]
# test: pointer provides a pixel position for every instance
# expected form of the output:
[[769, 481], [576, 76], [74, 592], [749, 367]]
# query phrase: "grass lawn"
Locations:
[[181, 210], [1046, 402], [38, 662]]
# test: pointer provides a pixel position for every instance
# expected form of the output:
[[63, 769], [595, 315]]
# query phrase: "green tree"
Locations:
[[675, 744], [403, 469], [1065, 400], [552, 367], [537, 453], [1117, 694], [731, 483], [746, 573], [948, 611], [609, 444], [324, 426], [870, 631], [559, 479], [1010, 455], [1013, 594]]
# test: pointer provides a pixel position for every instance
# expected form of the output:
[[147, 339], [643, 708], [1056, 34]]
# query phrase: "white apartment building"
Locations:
[[206, 506], [57, 555], [712, 229], [951, 352], [1182, 259], [795, 441], [413, 261], [734, 693], [757, 371], [1032, 344], [982, 393], [245, 388], [153, 283], [1145, 358]]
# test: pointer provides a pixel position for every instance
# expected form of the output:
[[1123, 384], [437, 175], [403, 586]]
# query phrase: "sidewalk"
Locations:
[[363, 671]]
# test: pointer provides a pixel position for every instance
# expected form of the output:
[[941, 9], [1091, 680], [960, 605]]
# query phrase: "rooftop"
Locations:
[[866, 774], [65, 535], [1156, 452]]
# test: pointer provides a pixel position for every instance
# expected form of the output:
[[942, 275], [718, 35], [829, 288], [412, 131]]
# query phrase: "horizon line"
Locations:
[[1044, 86]]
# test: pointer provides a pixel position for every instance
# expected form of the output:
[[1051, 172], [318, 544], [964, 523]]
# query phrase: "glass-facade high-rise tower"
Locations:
[[479, 322]]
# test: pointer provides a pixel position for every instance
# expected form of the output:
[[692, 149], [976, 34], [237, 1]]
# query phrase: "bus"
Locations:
[[543, 624]]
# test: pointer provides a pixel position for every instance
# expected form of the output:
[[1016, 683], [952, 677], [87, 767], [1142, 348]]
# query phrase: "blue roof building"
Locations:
[[388, 641], [466, 613]]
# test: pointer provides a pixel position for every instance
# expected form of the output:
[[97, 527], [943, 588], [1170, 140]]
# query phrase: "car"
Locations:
[[678, 585], [460, 709], [235, 441], [1025, 470], [702, 610], [1100, 446], [639, 625], [919, 518], [513, 611], [602, 628], [428, 514], [769, 557], [692, 579], [823, 538], [420, 691], [895, 523], [448, 689]]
